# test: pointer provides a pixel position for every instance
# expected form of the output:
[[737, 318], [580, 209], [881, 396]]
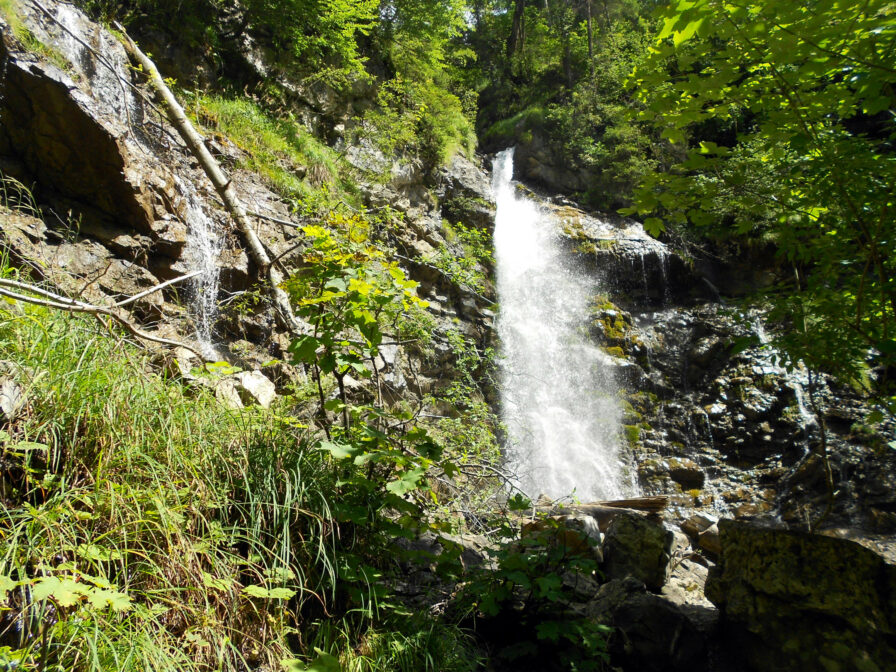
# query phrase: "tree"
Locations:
[[786, 109]]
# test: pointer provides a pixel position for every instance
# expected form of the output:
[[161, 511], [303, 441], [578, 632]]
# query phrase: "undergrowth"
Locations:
[[146, 527]]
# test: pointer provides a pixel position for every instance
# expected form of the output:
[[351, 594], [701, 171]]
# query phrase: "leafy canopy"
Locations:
[[786, 110]]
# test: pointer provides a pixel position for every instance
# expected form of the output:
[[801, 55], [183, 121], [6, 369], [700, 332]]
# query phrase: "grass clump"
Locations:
[[9, 12], [144, 525], [292, 161]]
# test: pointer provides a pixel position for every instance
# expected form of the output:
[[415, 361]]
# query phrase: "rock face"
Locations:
[[637, 547], [795, 601], [650, 633]]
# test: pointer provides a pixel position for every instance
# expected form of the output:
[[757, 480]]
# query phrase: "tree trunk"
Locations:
[[517, 41]]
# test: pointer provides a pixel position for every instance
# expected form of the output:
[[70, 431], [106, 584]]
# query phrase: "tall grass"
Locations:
[[282, 151], [129, 484]]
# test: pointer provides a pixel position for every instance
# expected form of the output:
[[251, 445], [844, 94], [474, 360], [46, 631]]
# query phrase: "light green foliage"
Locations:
[[419, 112], [132, 504], [320, 36], [10, 13], [293, 161], [806, 88], [467, 257]]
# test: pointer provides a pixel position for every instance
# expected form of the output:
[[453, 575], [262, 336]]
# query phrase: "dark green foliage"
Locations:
[[526, 600], [811, 167], [564, 86]]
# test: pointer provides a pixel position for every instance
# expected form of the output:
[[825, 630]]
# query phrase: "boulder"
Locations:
[[650, 633], [797, 601], [254, 387], [637, 547]]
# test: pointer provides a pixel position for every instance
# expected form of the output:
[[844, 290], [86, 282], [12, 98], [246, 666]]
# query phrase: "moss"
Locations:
[[615, 351], [632, 434], [29, 40]]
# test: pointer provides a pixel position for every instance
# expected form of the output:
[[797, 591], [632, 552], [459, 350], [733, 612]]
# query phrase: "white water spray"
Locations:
[[558, 396], [204, 245]]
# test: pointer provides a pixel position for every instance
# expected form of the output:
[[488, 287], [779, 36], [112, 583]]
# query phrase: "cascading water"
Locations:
[[558, 396], [204, 245]]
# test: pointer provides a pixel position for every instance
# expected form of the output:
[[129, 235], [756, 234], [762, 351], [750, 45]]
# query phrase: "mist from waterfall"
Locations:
[[558, 397]]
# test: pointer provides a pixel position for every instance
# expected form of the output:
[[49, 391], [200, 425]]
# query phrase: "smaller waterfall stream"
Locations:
[[558, 396], [204, 245]]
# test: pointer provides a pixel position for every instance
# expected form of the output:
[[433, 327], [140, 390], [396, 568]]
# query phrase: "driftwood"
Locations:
[[22, 291], [222, 184], [604, 512]]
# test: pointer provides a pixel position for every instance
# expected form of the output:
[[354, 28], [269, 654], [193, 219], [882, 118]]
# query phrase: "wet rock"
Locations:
[[792, 600], [686, 472], [697, 523], [709, 540], [465, 194], [637, 547], [686, 583]]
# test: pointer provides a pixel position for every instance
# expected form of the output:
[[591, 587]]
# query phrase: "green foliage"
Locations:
[[810, 166], [419, 112], [567, 92], [319, 36], [529, 594], [295, 163], [134, 514], [10, 13], [467, 257]]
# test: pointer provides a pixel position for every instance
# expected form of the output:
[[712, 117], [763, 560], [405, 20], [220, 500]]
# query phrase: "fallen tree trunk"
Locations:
[[222, 185], [604, 512]]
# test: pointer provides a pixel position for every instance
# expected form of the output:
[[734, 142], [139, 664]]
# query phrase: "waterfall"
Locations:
[[558, 397], [201, 252]]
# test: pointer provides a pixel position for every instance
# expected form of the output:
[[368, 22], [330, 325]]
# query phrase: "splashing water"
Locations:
[[204, 245], [558, 396]]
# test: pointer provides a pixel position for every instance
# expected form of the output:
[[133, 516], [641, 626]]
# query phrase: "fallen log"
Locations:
[[604, 512], [222, 184]]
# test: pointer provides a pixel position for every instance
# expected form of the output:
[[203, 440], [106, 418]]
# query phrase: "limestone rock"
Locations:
[[796, 601], [227, 393], [637, 547], [254, 387]]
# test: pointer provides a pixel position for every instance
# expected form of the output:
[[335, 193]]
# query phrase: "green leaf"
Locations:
[[339, 451], [324, 663], [408, 481], [7, 584], [304, 349], [269, 593], [118, 601], [688, 32], [209, 581], [654, 226], [65, 592], [98, 553], [549, 630]]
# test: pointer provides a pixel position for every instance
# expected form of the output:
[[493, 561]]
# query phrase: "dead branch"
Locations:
[[222, 184], [47, 299]]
